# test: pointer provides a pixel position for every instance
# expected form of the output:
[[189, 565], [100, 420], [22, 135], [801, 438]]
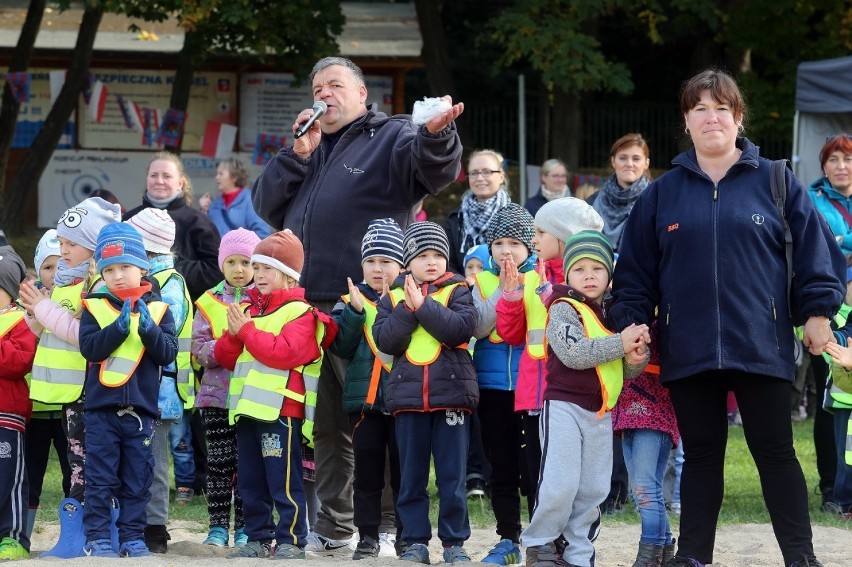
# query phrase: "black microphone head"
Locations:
[[320, 107]]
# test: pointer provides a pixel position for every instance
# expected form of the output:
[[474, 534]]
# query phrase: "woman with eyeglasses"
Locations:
[[487, 193], [629, 158], [554, 185], [705, 246]]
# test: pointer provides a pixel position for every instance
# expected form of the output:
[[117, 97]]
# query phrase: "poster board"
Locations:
[[32, 114], [269, 103], [71, 176], [213, 96]]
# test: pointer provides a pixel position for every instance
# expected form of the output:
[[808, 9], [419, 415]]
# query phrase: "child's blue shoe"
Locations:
[[506, 552], [72, 536], [134, 548], [217, 536], [416, 553], [100, 548], [240, 537], [455, 554]]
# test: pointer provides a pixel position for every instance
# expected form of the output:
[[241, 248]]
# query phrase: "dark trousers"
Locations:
[[420, 436], [764, 403], [199, 451], [478, 467], [501, 439], [373, 438], [269, 473], [221, 476], [13, 488], [75, 432], [531, 458], [826, 456], [41, 434], [119, 464]]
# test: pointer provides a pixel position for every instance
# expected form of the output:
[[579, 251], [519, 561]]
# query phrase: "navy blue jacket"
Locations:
[[98, 344], [712, 257], [450, 381]]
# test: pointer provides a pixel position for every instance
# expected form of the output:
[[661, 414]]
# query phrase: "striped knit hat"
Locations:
[[587, 244], [157, 229], [511, 221], [383, 238], [422, 236]]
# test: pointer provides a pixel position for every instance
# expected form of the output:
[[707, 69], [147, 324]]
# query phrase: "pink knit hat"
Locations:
[[239, 241], [157, 229]]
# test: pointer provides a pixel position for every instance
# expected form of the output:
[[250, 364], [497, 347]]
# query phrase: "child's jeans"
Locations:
[[180, 441], [646, 454]]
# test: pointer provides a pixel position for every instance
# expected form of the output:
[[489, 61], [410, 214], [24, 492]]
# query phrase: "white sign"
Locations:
[[72, 176], [269, 103]]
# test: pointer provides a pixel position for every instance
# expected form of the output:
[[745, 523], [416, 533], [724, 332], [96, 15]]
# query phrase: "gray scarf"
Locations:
[[614, 204], [66, 275], [477, 214]]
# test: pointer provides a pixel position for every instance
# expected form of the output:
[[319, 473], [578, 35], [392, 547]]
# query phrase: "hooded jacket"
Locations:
[[712, 257], [449, 382], [17, 351], [380, 167]]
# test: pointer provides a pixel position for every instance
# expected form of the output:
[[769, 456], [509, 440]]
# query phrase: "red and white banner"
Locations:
[[98, 102], [218, 141]]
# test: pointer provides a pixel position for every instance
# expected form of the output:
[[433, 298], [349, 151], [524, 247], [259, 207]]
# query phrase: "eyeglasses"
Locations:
[[486, 173], [835, 136]]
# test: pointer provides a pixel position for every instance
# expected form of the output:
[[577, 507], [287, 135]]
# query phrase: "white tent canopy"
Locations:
[[823, 108]]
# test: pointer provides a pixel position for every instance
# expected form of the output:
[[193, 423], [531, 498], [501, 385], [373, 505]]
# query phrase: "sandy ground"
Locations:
[[747, 545]]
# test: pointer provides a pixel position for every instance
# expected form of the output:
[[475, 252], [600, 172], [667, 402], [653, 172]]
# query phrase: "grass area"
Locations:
[[743, 501]]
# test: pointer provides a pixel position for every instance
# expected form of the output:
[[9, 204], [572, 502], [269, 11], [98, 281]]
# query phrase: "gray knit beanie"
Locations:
[[82, 223], [422, 236], [383, 238], [511, 221], [12, 271], [567, 216]]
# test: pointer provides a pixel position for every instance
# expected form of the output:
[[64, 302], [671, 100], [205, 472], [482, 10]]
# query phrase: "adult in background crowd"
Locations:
[[354, 164], [554, 185], [689, 248], [232, 208], [832, 196], [487, 194], [196, 249], [630, 159]]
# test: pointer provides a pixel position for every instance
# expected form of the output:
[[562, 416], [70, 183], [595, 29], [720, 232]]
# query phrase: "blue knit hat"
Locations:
[[383, 238], [120, 243], [480, 252]]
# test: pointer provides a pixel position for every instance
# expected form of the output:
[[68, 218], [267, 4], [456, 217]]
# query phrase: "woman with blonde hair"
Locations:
[[554, 185]]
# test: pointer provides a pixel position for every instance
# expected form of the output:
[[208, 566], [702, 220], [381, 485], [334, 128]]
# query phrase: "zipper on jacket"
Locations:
[[775, 320], [668, 314], [509, 369], [426, 406], [715, 233]]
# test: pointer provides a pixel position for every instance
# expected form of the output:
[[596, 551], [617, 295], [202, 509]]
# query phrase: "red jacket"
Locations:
[[294, 346], [17, 351]]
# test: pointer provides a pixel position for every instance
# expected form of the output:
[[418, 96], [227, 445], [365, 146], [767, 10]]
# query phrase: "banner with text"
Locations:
[[32, 114]]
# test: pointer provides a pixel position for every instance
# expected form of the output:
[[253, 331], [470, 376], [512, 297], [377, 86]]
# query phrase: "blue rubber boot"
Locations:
[[115, 510], [72, 536]]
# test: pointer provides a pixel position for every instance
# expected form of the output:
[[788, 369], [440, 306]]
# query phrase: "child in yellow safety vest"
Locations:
[[586, 366], [273, 350], [127, 335], [425, 322], [17, 350], [364, 385], [59, 369], [177, 382], [210, 323]]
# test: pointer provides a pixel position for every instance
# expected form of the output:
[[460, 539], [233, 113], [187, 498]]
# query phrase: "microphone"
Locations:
[[319, 109]]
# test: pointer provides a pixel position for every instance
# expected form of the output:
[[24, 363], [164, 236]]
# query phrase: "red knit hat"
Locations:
[[283, 251]]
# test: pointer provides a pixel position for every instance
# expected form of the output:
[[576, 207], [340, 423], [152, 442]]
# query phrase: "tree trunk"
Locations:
[[436, 58], [566, 129], [183, 79], [25, 185], [20, 62]]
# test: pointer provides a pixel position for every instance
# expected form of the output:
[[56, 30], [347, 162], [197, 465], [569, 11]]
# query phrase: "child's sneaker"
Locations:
[[217, 536], [260, 549], [544, 556], [288, 551], [133, 548], [100, 548], [11, 549], [240, 537], [183, 495], [455, 554], [321, 546], [387, 545], [367, 547], [416, 553], [506, 552]]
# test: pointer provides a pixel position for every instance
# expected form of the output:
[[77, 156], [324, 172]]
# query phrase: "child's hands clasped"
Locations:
[[635, 339], [414, 298], [509, 278], [840, 354], [236, 318], [145, 320], [356, 300], [122, 323], [29, 296]]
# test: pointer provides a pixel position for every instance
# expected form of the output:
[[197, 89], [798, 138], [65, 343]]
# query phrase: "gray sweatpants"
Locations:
[[576, 463], [158, 507]]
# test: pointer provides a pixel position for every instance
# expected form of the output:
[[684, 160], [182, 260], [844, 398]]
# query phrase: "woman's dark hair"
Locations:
[[838, 143], [722, 87], [237, 169]]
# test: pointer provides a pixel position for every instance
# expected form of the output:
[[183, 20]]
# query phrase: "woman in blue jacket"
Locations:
[[232, 209], [705, 245]]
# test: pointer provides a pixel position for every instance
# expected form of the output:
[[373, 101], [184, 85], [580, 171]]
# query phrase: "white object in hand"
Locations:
[[428, 108]]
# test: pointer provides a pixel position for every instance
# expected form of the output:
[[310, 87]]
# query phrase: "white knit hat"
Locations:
[[48, 246], [157, 229], [566, 217]]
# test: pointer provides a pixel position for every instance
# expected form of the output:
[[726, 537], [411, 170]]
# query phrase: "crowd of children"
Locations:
[[98, 352]]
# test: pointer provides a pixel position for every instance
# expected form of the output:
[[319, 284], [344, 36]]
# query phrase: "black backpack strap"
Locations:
[[778, 184]]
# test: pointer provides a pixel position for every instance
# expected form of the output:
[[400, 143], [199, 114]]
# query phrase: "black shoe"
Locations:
[[477, 487], [806, 561], [367, 547], [156, 538]]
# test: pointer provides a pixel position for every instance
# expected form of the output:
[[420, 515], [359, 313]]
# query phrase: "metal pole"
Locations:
[[522, 138]]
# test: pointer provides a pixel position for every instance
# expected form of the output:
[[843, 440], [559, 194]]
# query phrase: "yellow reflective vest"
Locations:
[[487, 284], [185, 378], [120, 367], [380, 359], [258, 391], [59, 370], [536, 316], [215, 311], [610, 374], [424, 348]]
